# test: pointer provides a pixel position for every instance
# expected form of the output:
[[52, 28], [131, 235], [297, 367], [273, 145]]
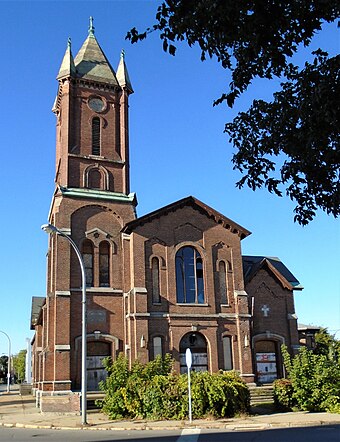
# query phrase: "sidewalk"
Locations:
[[20, 411]]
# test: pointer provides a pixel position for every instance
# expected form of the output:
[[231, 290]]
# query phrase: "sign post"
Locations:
[[188, 360]]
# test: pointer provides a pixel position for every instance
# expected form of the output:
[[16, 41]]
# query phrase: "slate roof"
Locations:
[[197, 205], [252, 264], [92, 64], [37, 303]]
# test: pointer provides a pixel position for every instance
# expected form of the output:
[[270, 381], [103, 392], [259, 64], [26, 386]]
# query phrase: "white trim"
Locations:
[[62, 293], [59, 347]]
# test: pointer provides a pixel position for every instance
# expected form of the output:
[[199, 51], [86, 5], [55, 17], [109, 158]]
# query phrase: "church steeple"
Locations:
[[91, 62], [67, 67], [92, 109]]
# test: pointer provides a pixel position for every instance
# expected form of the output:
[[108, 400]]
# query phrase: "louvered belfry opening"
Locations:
[[96, 136]]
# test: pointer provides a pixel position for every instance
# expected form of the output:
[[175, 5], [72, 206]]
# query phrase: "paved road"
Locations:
[[325, 433]]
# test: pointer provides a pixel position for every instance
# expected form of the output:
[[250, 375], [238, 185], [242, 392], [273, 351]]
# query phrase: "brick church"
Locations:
[[160, 283]]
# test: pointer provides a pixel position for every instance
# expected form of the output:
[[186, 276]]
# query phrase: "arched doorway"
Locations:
[[96, 352], [198, 346], [267, 361]]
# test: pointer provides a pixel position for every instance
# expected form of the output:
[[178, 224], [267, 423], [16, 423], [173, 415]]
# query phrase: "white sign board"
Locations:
[[188, 357]]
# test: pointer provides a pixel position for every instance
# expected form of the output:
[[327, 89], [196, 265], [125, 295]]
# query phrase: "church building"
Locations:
[[160, 283]]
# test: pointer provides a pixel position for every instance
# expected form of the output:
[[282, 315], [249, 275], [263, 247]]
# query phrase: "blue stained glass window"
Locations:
[[189, 276]]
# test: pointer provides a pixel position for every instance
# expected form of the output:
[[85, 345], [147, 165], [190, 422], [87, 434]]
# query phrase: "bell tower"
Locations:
[[91, 203], [92, 121]]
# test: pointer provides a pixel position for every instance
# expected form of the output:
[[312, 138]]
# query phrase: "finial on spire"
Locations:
[[122, 54], [91, 27], [69, 43]]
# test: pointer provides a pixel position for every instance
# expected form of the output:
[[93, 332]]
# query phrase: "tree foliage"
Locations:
[[19, 365], [256, 39]]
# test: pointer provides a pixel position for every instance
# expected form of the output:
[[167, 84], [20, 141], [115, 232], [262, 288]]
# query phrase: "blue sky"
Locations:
[[177, 149]]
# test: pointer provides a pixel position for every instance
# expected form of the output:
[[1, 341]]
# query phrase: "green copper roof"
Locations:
[[91, 62], [67, 67], [123, 75]]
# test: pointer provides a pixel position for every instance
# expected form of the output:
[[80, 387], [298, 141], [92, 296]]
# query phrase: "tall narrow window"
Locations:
[[227, 353], [155, 281], [87, 252], [157, 346], [96, 136], [189, 276], [222, 274], [104, 264]]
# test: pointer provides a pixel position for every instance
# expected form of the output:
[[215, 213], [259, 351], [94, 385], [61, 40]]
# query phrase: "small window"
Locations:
[[157, 346], [227, 353], [189, 276], [222, 276], [155, 281], [96, 136], [87, 252], [104, 264]]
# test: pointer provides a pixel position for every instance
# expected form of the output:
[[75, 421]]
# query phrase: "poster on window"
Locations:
[[266, 367]]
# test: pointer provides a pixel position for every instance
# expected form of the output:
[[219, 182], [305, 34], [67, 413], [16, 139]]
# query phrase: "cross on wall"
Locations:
[[265, 310]]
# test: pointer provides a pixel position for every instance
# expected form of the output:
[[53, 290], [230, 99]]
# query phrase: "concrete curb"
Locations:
[[230, 427]]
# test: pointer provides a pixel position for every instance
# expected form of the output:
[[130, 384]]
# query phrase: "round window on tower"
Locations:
[[96, 104]]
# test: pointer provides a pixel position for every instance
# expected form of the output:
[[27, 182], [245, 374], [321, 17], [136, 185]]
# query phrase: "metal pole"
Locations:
[[8, 362], [189, 394], [49, 228]]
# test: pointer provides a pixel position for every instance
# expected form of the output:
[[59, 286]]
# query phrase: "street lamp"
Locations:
[[8, 362], [49, 228]]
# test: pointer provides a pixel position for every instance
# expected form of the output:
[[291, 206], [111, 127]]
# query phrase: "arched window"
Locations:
[[227, 353], [222, 276], [96, 136], [95, 179], [104, 264], [87, 252], [155, 281], [157, 346], [189, 276]]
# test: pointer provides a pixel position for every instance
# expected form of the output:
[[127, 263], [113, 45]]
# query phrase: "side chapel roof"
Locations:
[[195, 204], [37, 304], [252, 264]]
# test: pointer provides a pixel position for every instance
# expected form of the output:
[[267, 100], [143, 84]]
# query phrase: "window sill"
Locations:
[[98, 290], [184, 304]]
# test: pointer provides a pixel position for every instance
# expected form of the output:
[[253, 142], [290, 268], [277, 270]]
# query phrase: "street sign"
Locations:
[[188, 357]]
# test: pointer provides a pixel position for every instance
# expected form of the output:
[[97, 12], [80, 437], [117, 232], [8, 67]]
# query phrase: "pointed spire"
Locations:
[[123, 75], [67, 68], [91, 62], [91, 28]]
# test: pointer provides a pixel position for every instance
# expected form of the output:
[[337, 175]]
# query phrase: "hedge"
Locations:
[[155, 391]]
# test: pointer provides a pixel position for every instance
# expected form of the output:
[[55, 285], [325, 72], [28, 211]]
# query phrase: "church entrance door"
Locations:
[[266, 355], [96, 352], [198, 346]]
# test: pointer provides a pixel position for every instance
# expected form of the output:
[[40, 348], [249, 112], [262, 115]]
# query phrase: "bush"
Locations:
[[314, 382], [283, 394], [154, 391]]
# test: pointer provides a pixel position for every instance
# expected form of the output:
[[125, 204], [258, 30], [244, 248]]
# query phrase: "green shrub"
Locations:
[[315, 381], [283, 394], [154, 391]]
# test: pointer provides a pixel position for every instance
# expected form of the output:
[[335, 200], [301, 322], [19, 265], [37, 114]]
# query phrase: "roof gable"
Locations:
[[252, 265], [190, 201]]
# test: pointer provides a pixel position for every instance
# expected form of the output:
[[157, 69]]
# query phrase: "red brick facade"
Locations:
[[140, 298]]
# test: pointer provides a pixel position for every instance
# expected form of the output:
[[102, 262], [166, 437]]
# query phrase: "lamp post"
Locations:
[[8, 362], [49, 228]]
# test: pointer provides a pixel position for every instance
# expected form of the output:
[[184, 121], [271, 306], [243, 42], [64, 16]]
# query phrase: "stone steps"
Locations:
[[259, 395]]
